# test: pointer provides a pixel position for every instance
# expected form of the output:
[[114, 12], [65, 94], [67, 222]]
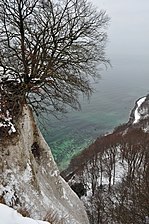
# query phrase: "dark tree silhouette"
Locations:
[[115, 173], [48, 52]]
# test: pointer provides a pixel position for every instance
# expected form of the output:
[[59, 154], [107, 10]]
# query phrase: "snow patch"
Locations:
[[54, 173], [11, 216], [9, 191], [28, 173], [6, 121]]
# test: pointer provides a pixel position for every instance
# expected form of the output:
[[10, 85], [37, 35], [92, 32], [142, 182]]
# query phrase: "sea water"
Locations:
[[117, 90]]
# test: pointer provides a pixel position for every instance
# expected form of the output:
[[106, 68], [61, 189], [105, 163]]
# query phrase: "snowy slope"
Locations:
[[11, 216]]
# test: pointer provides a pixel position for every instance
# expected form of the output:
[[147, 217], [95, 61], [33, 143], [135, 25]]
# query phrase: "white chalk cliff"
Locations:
[[30, 179]]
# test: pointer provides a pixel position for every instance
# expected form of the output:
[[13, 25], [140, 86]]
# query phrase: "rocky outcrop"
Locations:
[[30, 179]]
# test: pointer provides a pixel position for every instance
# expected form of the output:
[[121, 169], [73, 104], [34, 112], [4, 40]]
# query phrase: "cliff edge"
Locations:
[[29, 178]]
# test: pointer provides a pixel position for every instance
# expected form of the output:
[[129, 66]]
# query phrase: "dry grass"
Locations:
[[24, 212], [53, 218], [2, 200]]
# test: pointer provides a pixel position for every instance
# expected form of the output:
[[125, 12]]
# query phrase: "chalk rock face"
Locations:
[[30, 179]]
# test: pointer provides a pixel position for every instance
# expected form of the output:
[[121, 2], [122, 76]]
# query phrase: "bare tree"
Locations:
[[48, 52]]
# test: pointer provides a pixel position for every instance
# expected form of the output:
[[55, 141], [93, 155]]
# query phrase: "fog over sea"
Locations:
[[119, 87]]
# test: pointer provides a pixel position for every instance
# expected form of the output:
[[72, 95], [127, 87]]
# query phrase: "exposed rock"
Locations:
[[30, 179]]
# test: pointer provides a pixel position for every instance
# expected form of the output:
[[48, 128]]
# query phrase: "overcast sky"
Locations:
[[129, 25]]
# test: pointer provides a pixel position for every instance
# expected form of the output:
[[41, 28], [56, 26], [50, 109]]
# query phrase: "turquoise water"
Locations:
[[118, 88]]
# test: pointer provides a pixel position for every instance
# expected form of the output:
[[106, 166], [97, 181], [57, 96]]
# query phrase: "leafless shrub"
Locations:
[[54, 218]]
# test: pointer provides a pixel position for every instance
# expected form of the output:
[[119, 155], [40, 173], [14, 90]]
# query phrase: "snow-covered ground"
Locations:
[[11, 216]]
